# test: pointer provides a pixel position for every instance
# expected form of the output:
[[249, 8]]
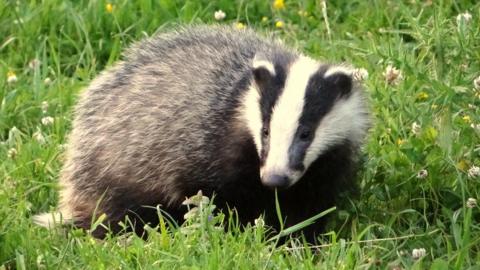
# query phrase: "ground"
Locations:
[[419, 180]]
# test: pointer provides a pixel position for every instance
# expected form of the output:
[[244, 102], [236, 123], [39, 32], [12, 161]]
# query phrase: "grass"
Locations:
[[438, 56]]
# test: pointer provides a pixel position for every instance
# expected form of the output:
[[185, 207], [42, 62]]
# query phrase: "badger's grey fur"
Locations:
[[213, 109]]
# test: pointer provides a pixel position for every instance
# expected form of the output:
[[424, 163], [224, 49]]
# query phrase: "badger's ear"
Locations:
[[263, 71], [340, 78]]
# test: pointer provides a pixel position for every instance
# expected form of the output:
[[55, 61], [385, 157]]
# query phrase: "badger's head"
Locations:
[[296, 110]]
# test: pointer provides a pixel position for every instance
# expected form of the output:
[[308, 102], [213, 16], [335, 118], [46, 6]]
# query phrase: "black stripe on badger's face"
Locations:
[[315, 110], [270, 83], [321, 94]]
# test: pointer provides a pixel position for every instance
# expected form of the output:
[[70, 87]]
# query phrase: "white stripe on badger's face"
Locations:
[[285, 118], [253, 116]]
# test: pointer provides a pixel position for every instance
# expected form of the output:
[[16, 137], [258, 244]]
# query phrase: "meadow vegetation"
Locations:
[[420, 175]]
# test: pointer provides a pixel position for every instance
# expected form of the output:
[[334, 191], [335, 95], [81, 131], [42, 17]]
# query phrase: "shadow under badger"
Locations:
[[213, 109]]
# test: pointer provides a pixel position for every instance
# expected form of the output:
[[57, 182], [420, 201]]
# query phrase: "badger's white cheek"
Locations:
[[348, 119], [262, 171], [295, 176], [326, 135], [310, 157]]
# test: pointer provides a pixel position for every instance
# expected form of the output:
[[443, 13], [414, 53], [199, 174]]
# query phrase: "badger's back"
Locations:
[[161, 124]]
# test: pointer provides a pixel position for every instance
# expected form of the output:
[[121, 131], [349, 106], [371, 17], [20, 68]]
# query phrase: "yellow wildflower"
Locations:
[[422, 96], [109, 8], [431, 133], [434, 106], [279, 24], [279, 4], [240, 25], [466, 119], [401, 142], [302, 13], [264, 19], [462, 165], [11, 77]]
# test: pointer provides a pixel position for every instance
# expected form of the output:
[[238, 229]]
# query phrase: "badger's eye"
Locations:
[[304, 135], [265, 132]]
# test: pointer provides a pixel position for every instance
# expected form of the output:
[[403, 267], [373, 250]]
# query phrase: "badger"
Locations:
[[239, 116]]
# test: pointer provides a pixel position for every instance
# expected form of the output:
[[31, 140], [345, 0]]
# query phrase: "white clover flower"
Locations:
[[41, 262], [15, 131], [465, 17], [11, 77], [34, 63], [44, 106], [197, 199], [192, 214], [259, 222], [360, 74], [47, 81], [47, 120], [38, 136], [219, 15], [471, 203], [12, 153], [475, 126], [418, 253], [392, 75], [422, 174], [476, 83], [416, 128], [62, 147], [474, 172]]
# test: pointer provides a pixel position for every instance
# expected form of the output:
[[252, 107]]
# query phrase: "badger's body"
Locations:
[[218, 110]]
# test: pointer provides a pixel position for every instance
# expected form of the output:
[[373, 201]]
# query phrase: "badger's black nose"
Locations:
[[276, 181]]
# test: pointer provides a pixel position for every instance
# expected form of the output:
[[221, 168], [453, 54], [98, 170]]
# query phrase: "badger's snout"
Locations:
[[281, 179], [276, 181]]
